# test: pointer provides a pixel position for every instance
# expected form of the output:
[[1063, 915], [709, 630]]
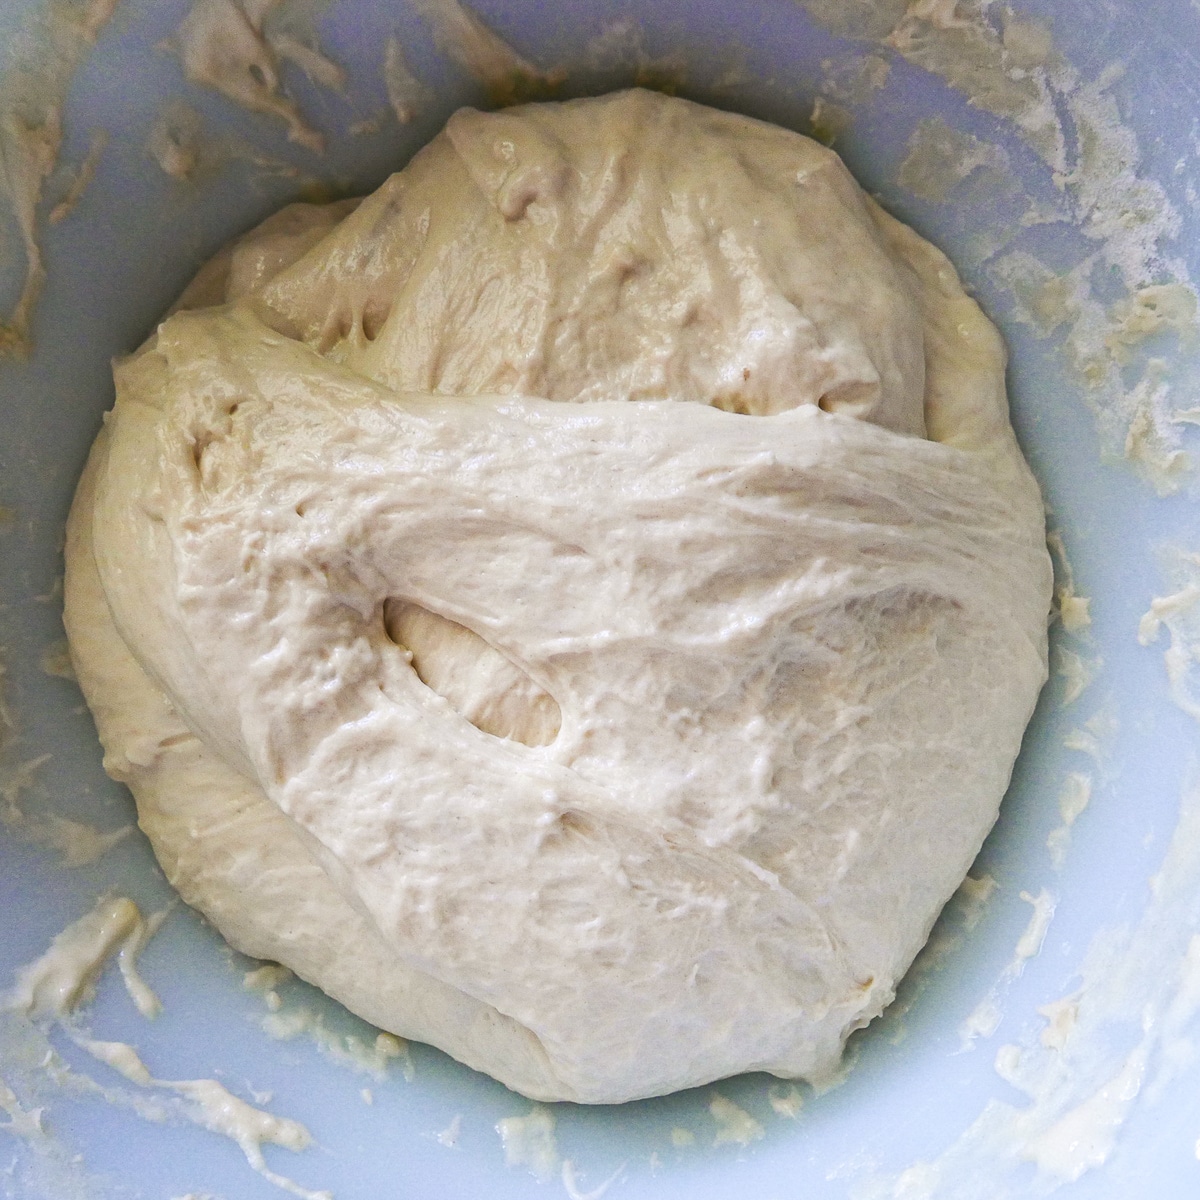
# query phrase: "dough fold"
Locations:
[[580, 605]]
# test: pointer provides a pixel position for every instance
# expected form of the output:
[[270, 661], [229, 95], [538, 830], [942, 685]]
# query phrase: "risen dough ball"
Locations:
[[612, 743]]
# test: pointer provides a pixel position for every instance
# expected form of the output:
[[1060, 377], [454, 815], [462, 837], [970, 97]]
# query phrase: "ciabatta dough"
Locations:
[[581, 605]]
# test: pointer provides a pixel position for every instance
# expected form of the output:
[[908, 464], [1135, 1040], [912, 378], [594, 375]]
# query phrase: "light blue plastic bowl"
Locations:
[[914, 1089]]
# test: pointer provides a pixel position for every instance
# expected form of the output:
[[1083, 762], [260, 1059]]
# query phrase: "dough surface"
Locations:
[[579, 606]]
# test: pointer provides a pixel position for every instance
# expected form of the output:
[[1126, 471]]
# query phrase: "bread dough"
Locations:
[[580, 605]]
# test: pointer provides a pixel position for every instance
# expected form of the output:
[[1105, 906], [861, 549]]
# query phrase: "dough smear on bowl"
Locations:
[[580, 605]]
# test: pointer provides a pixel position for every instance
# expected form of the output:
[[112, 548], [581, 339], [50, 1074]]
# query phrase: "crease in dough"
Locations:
[[579, 605]]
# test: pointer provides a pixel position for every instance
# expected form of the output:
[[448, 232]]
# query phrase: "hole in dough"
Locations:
[[735, 402], [852, 399], [337, 329], [199, 446], [374, 316], [479, 682]]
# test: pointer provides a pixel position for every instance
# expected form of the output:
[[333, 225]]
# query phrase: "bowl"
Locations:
[[1046, 1038]]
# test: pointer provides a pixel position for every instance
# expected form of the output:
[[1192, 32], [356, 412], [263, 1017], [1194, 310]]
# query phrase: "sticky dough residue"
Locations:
[[371, 1057], [462, 36], [1178, 614], [1128, 1030], [529, 1142], [1121, 311], [64, 978], [1124, 1033], [1121, 304], [1073, 799], [49, 995], [1076, 663], [237, 47], [940, 158], [31, 136], [1117, 344], [984, 1019], [243, 49], [734, 1124], [77, 843]]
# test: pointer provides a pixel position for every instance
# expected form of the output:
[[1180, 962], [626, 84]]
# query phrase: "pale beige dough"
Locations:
[[580, 605]]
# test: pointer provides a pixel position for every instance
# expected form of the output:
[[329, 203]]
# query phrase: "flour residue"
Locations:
[[178, 144], [620, 50], [218, 1110], [828, 121], [1139, 398], [40, 1167], [267, 978], [853, 80], [1083, 1138], [1061, 1016], [22, 1123], [1076, 671], [1079, 1083], [212, 1106], [122, 1057], [972, 898], [186, 150]]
